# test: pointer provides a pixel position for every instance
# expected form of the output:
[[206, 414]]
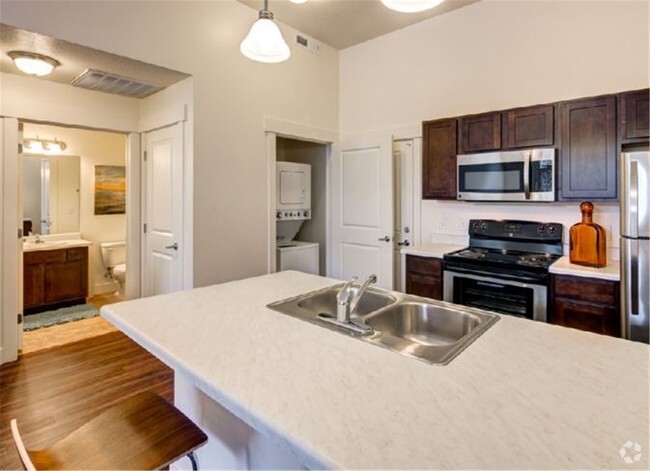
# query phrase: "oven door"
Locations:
[[495, 176], [494, 294]]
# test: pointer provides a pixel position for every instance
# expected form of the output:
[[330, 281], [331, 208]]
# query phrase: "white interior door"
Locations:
[[163, 211], [362, 209], [10, 243], [403, 204]]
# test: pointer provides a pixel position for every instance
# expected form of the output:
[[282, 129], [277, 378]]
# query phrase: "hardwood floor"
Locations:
[[57, 335], [54, 391]]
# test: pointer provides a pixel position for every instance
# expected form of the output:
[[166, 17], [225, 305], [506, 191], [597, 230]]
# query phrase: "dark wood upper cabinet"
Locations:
[[481, 132], [533, 126], [588, 149], [634, 116], [439, 159]]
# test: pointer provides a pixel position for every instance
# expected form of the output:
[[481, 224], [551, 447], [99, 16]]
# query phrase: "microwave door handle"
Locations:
[[526, 162]]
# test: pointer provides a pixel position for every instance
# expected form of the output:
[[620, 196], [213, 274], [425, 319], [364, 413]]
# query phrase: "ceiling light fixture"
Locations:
[[299, 2], [40, 146], [411, 6], [33, 64], [264, 42]]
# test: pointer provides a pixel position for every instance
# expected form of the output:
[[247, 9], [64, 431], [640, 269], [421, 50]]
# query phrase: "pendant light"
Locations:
[[33, 64], [411, 6], [264, 42]]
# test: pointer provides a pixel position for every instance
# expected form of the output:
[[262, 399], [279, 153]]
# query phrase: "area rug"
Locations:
[[59, 316]]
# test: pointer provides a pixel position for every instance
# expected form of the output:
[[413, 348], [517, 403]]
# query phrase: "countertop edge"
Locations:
[[303, 453]]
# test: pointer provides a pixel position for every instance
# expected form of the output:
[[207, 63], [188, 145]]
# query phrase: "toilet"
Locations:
[[114, 257]]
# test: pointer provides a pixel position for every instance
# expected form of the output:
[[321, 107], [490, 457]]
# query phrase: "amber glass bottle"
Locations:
[[587, 245]]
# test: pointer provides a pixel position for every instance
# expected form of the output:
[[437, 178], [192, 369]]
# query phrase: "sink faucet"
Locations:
[[355, 301], [346, 302], [343, 301]]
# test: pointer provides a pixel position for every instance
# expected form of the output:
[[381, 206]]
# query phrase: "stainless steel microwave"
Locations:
[[521, 175]]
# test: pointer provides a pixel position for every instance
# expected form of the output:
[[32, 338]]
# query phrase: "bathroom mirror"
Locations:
[[50, 194]]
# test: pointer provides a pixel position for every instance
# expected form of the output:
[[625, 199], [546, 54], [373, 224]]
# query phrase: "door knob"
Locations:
[[406, 243], [384, 239], [174, 246]]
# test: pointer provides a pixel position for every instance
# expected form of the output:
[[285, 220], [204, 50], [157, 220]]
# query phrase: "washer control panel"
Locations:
[[293, 215]]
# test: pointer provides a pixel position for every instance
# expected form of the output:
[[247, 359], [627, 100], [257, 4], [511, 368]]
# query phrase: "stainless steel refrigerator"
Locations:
[[635, 245]]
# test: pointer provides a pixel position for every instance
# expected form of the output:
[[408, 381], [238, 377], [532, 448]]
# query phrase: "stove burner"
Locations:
[[473, 253], [534, 259]]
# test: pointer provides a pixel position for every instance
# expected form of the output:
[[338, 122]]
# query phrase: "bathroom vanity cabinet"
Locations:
[[54, 278]]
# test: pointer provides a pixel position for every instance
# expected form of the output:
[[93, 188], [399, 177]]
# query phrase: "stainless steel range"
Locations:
[[505, 268]]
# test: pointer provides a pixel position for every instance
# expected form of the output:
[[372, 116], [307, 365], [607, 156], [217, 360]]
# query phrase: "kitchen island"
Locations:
[[273, 391]]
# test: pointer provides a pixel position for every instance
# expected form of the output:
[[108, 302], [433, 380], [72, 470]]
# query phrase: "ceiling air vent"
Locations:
[[116, 84], [308, 43]]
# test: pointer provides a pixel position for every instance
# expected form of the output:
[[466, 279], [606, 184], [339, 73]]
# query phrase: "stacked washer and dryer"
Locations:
[[293, 208]]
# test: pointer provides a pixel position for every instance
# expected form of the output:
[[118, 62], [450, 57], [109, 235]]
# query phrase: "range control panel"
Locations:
[[528, 230], [293, 215]]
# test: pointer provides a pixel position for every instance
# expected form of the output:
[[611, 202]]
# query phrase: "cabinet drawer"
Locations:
[[423, 265], [587, 289], [585, 316], [78, 253], [425, 286], [44, 256]]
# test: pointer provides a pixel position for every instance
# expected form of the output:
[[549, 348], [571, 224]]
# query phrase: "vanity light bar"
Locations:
[[43, 145]]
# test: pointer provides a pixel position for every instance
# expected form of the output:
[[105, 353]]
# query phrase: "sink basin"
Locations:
[[309, 306], [425, 324], [429, 330], [325, 302]]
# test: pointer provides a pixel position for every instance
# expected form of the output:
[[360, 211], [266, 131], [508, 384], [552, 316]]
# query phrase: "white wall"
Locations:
[[93, 148], [232, 95], [488, 56]]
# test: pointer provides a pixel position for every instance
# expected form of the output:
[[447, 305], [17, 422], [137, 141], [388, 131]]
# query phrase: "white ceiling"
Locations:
[[344, 23], [75, 59]]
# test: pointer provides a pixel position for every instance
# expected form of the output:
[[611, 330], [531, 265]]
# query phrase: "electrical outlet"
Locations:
[[442, 225]]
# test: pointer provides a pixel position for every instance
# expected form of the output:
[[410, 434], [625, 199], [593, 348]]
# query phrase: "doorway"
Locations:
[[73, 205], [301, 239]]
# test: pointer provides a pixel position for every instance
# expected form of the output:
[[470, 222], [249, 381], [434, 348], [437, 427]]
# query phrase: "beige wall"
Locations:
[[495, 55], [232, 95], [94, 148]]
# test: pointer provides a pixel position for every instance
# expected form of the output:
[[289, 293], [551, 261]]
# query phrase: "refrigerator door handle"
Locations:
[[634, 278], [634, 199]]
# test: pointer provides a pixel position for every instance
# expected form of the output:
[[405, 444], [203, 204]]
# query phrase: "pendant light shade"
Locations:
[[33, 64], [264, 42], [411, 6]]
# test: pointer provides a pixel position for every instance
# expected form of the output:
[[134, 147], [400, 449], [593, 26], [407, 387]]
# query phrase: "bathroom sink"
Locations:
[[426, 329]]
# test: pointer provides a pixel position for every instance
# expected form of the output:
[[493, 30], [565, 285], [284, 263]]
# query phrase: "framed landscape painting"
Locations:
[[110, 189]]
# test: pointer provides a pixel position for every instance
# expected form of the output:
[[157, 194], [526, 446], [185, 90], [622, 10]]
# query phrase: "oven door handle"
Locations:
[[495, 276]]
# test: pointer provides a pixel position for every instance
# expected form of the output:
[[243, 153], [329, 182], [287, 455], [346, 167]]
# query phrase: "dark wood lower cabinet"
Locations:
[[54, 278], [586, 304], [424, 276]]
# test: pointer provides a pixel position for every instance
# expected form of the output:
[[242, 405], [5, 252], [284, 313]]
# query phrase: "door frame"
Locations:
[[274, 128]]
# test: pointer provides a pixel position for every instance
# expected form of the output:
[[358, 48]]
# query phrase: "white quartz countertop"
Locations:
[[524, 395], [610, 272], [55, 245], [432, 250]]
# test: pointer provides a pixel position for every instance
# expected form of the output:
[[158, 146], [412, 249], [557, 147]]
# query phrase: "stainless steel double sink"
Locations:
[[429, 330]]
